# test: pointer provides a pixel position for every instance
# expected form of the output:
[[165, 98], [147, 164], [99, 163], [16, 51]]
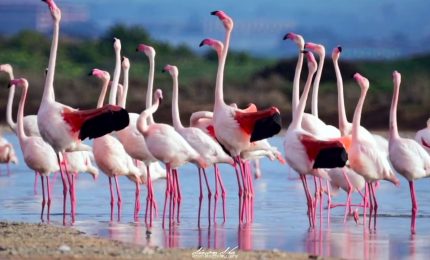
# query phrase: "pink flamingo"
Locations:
[[170, 147], [38, 155], [7, 153], [423, 137], [111, 157], [206, 146], [364, 157], [62, 126], [407, 156]]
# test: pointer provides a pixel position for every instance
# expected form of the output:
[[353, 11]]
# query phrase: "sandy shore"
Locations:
[[43, 241]]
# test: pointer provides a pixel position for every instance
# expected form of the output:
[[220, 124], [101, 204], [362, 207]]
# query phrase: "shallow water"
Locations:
[[280, 214]]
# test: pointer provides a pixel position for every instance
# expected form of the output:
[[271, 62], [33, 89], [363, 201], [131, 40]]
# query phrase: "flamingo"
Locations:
[[406, 155], [423, 137], [301, 147], [364, 157], [110, 154], [7, 153], [38, 155], [172, 149], [62, 126], [206, 146], [30, 121]]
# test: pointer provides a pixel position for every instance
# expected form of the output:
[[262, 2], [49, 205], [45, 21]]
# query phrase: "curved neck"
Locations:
[[219, 89], [150, 87], [317, 85], [9, 118], [298, 114], [48, 92], [343, 121], [142, 123], [115, 80], [123, 99], [175, 107], [103, 93], [296, 82], [357, 114], [394, 132], [20, 118]]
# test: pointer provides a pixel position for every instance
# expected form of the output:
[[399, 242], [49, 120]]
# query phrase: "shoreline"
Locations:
[[20, 240]]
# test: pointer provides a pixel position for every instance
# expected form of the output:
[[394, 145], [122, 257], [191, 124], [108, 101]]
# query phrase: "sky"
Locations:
[[365, 29]]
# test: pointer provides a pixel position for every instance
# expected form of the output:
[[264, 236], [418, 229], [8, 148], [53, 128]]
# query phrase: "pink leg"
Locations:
[[36, 174], [375, 205], [8, 169], [303, 178], [320, 194], [328, 201], [311, 208], [209, 196], [173, 195], [73, 196], [348, 199], [137, 203], [48, 187], [148, 196], [365, 204], [316, 199], [216, 192], [63, 179], [223, 192], [43, 198], [69, 181], [414, 206], [245, 190], [179, 195], [119, 202], [112, 199], [167, 192], [240, 191], [200, 196]]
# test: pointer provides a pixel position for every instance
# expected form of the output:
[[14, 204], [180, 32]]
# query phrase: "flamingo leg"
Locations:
[[311, 202], [112, 199], [137, 203], [209, 195], [328, 201], [245, 190], [179, 195], [375, 205], [148, 196], [414, 206], [302, 178], [173, 195], [239, 188], [370, 203], [365, 204], [348, 199], [320, 194], [223, 192], [43, 198], [200, 197], [63, 179], [48, 187], [216, 191], [73, 198], [119, 202]]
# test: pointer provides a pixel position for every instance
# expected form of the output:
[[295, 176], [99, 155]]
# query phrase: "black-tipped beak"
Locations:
[[214, 12], [339, 48], [352, 75], [137, 49], [44, 1], [202, 43], [122, 59], [10, 85], [90, 73], [113, 40], [163, 70], [304, 51], [286, 36]]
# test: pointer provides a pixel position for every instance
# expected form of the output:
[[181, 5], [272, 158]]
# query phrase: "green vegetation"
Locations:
[[262, 81]]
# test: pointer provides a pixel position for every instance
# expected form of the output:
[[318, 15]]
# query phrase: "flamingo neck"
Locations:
[[20, 116], [115, 80], [48, 92], [150, 86], [343, 121], [123, 99], [175, 107], [357, 115], [142, 124], [298, 113], [9, 118], [103, 93], [296, 81], [219, 89], [317, 85], [394, 132]]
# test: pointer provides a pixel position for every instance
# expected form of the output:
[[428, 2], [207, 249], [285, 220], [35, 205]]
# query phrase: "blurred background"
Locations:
[[377, 37]]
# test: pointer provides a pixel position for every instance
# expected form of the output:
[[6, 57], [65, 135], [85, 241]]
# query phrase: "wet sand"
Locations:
[[43, 241]]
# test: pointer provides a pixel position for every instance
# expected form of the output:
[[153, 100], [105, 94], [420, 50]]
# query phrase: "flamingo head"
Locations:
[[397, 78], [158, 94], [297, 38], [362, 81], [21, 82], [317, 48], [148, 50], [225, 19], [7, 68], [335, 54], [116, 44], [215, 44], [125, 63], [55, 11], [173, 70], [101, 74], [312, 63]]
